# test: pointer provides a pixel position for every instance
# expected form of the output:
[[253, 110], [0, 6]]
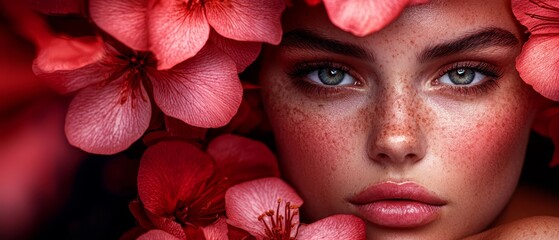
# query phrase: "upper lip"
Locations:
[[390, 190]]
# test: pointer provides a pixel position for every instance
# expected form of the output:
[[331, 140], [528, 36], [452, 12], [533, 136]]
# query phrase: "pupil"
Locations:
[[331, 76], [462, 76]]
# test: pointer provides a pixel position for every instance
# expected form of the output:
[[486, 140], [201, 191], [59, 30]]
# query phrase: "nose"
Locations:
[[397, 136]]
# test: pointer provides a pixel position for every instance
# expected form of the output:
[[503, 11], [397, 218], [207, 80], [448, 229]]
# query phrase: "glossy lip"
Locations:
[[398, 205]]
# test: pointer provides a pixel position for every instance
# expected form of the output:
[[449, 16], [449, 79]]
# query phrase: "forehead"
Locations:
[[417, 25]]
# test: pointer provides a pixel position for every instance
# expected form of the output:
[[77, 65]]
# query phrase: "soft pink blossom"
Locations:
[[363, 17], [182, 189], [177, 30], [116, 87], [538, 63], [269, 209]]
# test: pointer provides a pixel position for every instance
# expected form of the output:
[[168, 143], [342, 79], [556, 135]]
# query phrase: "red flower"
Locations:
[[113, 107], [182, 189], [538, 63], [177, 30], [363, 17], [269, 209]]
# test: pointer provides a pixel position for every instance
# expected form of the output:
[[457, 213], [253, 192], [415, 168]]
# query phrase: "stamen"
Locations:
[[280, 226]]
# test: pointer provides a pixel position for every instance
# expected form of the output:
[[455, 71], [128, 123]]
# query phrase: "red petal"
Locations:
[[126, 20], [216, 231], [169, 172], [167, 224], [243, 20], [242, 53], [71, 64], [362, 17], [204, 91], [312, 2], [540, 17], [178, 128], [157, 235], [246, 201], [334, 227], [241, 159], [59, 6], [133, 233], [542, 75], [176, 34], [137, 210], [104, 120]]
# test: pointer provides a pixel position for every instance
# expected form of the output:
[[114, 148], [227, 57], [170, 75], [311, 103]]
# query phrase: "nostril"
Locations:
[[411, 156], [382, 156]]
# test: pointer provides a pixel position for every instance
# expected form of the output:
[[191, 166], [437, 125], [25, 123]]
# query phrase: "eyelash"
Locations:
[[484, 68], [300, 71]]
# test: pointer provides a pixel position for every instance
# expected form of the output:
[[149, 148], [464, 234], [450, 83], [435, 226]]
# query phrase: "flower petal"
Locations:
[[245, 20], [540, 16], [216, 231], [362, 17], [126, 20], [157, 235], [540, 74], [241, 159], [204, 91], [71, 64], [167, 224], [334, 227], [242, 53], [245, 202], [176, 34], [312, 2], [108, 119], [171, 171], [137, 210], [59, 6]]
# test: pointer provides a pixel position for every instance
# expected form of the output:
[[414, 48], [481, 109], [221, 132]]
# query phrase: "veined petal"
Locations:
[[539, 16], [242, 159], [157, 234], [168, 224], [216, 231], [245, 202], [242, 53], [176, 34], [204, 91], [126, 20], [71, 64], [362, 17], [247, 20], [334, 227], [171, 171], [542, 75], [108, 119]]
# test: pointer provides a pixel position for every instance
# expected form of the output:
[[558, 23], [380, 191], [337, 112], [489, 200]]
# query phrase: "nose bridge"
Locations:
[[397, 134]]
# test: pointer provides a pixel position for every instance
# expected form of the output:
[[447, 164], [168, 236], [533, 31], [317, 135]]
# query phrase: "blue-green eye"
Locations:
[[331, 76], [462, 76]]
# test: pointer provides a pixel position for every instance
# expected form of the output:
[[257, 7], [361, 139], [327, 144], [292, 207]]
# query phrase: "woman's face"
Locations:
[[419, 129]]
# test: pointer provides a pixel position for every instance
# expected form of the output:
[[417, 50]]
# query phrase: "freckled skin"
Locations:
[[468, 149]]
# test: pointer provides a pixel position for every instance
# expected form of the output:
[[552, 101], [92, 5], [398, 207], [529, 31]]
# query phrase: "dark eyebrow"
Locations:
[[305, 39], [488, 37]]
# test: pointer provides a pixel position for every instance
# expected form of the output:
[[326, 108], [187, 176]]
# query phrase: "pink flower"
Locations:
[[538, 63], [363, 17], [269, 209], [117, 85], [182, 189], [177, 30]]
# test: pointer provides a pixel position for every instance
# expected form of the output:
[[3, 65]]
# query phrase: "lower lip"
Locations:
[[399, 213]]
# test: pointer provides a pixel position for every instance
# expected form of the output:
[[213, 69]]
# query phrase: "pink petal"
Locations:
[[362, 17], [107, 120], [540, 17], [241, 159], [245, 20], [157, 235], [126, 20], [171, 171], [334, 227], [216, 231], [71, 64], [176, 34], [242, 53], [204, 91], [246, 201], [542, 75]]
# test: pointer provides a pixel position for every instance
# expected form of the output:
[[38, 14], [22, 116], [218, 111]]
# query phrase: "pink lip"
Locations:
[[398, 205]]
